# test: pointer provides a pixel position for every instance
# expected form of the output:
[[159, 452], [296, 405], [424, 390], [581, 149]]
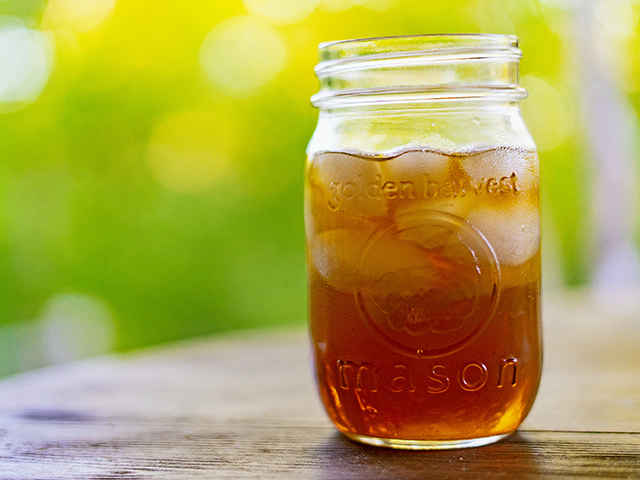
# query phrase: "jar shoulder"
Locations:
[[447, 130]]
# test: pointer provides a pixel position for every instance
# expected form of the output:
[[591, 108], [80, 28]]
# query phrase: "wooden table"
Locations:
[[245, 406]]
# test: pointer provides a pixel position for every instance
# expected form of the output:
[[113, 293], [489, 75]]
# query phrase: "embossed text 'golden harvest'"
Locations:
[[428, 188]]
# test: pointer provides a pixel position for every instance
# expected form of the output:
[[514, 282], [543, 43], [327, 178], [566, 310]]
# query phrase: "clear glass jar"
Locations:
[[422, 225]]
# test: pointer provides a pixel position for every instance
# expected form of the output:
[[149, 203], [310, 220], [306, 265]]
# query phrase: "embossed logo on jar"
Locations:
[[443, 287]]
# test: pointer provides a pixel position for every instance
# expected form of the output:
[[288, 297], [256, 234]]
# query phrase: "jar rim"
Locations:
[[381, 68], [341, 49]]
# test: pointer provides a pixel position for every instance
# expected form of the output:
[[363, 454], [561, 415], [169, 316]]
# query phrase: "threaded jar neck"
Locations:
[[418, 69]]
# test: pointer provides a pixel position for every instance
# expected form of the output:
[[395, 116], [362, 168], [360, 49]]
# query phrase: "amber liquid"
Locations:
[[424, 279]]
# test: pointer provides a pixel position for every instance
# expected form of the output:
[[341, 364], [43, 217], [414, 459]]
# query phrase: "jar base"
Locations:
[[424, 444]]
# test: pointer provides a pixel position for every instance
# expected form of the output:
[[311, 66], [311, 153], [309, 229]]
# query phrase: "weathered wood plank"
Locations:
[[246, 407], [120, 448], [254, 378]]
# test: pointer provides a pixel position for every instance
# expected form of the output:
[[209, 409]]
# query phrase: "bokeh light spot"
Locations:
[[546, 113], [376, 5], [26, 58], [190, 151], [281, 12], [76, 326], [617, 43], [240, 55], [334, 6], [77, 15]]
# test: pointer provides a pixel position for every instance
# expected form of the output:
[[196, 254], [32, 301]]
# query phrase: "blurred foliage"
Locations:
[[29, 11], [96, 200]]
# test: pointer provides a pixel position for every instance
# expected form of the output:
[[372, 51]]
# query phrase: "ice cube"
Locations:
[[346, 181], [433, 180], [339, 256], [335, 255], [503, 162], [413, 172], [318, 219], [414, 165], [522, 274], [459, 207], [514, 233]]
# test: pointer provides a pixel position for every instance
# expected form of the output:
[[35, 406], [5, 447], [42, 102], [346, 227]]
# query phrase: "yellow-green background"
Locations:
[[94, 200]]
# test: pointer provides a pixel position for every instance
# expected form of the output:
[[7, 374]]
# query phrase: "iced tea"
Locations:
[[424, 279]]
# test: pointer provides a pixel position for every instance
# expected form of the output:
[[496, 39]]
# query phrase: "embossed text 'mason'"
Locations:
[[425, 189], [470, 377]]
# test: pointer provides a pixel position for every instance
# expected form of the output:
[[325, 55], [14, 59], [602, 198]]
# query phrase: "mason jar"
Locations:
[[423, 241]]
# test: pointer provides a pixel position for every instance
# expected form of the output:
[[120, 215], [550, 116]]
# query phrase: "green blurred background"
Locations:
[[151, 156]]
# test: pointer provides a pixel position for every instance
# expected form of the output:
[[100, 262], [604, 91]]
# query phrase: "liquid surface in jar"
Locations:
[[424, 277]]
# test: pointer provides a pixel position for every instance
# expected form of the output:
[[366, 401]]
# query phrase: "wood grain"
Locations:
[[245, 406], [122, 448]]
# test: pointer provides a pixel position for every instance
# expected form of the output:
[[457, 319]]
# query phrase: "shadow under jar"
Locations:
[[423, 241]]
